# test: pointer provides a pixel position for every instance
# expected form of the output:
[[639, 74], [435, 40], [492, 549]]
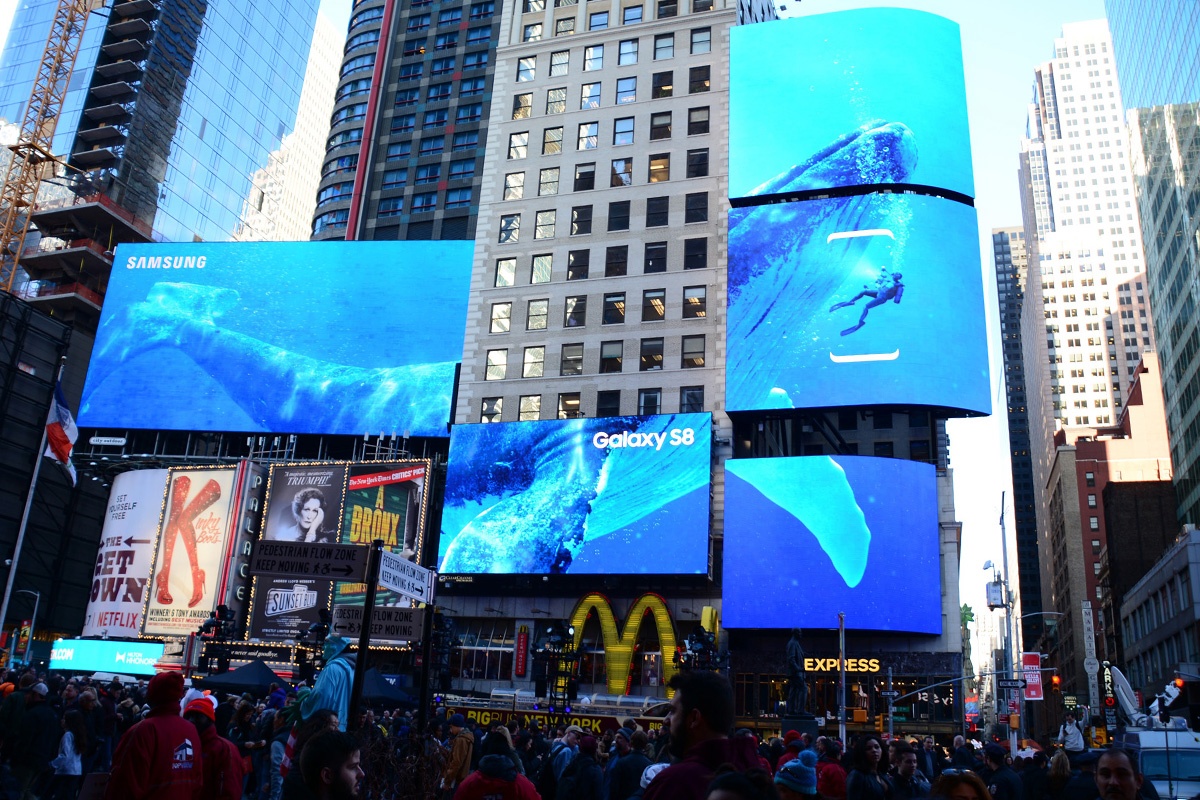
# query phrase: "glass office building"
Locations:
[[1158, 62]]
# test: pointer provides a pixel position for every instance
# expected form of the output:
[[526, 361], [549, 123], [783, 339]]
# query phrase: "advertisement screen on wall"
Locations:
[[383, 501], [122, 569], [285, 608], [90, 655], [859, 533], [280, 337], [873, 299], [868, 96], [192, 550], [613, 495]]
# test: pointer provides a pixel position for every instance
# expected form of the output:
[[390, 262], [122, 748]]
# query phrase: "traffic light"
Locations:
[[879, 723], [1056, 683], [1179, 684]]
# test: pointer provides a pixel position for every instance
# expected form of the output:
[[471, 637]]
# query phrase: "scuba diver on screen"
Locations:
[[887, 287]]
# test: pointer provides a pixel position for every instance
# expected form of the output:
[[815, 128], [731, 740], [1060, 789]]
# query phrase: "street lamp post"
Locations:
[[1024, 721], [37, 601]]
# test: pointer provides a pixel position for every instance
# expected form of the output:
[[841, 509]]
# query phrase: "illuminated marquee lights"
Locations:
[[618, 643]]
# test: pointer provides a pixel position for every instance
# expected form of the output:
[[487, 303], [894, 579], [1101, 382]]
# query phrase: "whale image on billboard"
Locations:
[[849, 98], [607, 495], [280, 337], [860, 533], [873, 299]]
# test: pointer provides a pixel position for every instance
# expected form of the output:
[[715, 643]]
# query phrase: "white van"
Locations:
[[1170, 759]]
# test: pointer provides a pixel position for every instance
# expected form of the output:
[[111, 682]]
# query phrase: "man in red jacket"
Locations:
[[159, 758], [701, 720], [222, 761]]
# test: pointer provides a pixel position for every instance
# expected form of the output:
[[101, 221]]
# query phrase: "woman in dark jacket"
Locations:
[[868, 778]]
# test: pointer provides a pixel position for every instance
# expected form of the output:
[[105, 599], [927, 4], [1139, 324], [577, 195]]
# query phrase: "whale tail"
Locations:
[[157, 321]]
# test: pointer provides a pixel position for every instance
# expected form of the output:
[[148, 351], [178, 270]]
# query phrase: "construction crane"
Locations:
[[32, 154]]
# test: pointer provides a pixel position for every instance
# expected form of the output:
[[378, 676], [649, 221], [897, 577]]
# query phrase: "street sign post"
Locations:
[[1018, 683], [889, 693], [404, 577], [333, 562], [388, 624]]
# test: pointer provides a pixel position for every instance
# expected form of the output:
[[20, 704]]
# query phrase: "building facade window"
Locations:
[[691, 399], [618, 216], [698, 121], [693, 352], [510, 228], [572, 360], [497, 365], [578, 262], [654, 305], [695, 302], [506, 272], [491, 408], [614, 309], [544, 225], [611, 354], [501, 317], [657, 211], [540, 268], [655, 257], [533, 362], [530, 408], [581, 220], [585, 177], [548, 182], [695, 207], [569, 406], [651, 355], [537, 314], [649, 401], [575, 312], [514, 186], [608, 403], [616, 261]]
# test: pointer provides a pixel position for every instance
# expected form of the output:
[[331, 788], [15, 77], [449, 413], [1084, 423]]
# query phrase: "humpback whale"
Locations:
[[776, 251], [280, 390]]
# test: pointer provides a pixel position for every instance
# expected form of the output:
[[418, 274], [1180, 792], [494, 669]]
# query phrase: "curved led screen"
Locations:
[[808, 537], [608, 495], [281, 337], [875, 299], [867, 96]]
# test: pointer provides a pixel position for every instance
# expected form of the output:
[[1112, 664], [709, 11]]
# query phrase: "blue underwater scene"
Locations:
[[810, 536], [615, 495], [874, 299], [291, 337], [848, 98]]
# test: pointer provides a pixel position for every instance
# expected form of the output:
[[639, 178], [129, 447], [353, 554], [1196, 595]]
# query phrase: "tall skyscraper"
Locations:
[[1085, 321], [1012, 274], [1159, 66], [404, 158]]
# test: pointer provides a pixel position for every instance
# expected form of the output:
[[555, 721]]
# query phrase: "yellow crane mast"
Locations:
[[32, 153]]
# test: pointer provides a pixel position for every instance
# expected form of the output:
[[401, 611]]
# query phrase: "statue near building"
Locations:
[[797, 699]]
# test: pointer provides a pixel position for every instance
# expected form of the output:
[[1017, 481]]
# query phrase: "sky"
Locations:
[[1002, 43]]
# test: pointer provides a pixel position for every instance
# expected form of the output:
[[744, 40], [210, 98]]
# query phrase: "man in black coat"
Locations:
[[625, 776], [1004, 784]]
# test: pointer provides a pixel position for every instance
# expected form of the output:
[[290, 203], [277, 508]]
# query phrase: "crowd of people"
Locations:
[[158, 740]]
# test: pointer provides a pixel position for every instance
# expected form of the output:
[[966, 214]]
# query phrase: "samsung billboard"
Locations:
[[613, 495], [280, 337], [807, 537], [873, 299], [866, 96]]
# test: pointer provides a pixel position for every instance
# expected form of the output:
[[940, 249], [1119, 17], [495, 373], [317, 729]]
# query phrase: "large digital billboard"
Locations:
[[122, 568], [611, 495], [810, 536], [874, 299], [282, 337], [866, 96], [90, 655]]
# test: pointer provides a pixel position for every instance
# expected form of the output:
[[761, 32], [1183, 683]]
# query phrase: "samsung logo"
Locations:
[[286, 601], [166, 262]]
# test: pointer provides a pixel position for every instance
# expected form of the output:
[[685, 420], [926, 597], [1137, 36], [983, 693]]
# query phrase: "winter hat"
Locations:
[[202, 705], [791, 736], [458, 721], [800, 774], [625, 732], [40, 688], [649, 773], [165, 688], [588, 745], [278, 698]]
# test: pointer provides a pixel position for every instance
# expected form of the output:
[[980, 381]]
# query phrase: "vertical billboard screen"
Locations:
[[281, 337], [192, 550], [868, 96], [126, 549], [808, 537], [612, 495], [874, 299]]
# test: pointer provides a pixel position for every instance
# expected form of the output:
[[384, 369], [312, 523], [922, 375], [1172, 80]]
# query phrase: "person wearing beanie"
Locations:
[[159, 758], [458, 761], [831, 775], [582, 779], [36, 741], [222, 761], [624, 777]]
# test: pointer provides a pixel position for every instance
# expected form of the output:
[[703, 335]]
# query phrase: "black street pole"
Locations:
[[364, 635], [426, 666]]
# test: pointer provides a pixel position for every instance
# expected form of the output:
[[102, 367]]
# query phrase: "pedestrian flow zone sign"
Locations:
[[332, 562], [406, 578], [388, 624]]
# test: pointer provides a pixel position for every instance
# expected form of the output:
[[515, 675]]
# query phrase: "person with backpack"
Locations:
[[1070, 736], [582, 779], [561, 754]]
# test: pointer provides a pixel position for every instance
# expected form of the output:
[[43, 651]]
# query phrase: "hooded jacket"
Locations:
[[160, 758], [496, 778], [689, 778]]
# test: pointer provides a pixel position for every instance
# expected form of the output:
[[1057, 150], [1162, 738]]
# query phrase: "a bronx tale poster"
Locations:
[[383, 501], [122, 569], [284, 608], [190, 557]]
